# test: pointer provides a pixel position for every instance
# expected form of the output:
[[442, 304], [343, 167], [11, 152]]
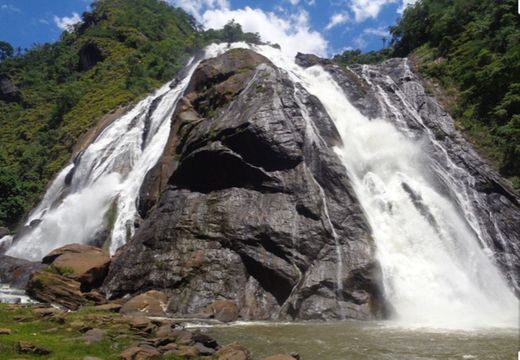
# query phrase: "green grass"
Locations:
[[61, 339]]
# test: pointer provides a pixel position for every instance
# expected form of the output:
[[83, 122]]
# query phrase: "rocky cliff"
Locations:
[[250, 203]]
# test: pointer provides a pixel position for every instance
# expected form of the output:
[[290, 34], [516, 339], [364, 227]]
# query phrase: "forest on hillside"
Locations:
[[472, 49], [53, 93]]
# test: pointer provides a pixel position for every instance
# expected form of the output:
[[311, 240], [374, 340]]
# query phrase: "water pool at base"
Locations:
[[367, 340]]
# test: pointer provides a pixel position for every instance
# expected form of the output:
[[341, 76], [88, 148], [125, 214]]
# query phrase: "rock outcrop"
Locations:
[[250, 204]]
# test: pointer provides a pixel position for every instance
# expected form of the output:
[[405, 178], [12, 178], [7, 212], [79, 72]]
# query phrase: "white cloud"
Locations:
[[67, 22], [360, 42], [405, 4], [8, 7], [292, 33], [364, 9], [197, 7], [380, 31], [337, 19], [294, 2]]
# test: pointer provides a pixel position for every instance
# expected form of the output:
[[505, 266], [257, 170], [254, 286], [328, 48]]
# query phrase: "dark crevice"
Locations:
[[213, 169], [271, 281], [258, 151]]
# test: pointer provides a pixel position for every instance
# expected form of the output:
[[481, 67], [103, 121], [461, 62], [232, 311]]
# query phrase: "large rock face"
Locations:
[[255, 207]]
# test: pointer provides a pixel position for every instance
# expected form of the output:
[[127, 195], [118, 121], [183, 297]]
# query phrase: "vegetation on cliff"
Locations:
[[472, 49], [54, 93]]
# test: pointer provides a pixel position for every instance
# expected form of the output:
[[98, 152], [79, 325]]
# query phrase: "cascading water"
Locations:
[[105, 179], [435, 271]]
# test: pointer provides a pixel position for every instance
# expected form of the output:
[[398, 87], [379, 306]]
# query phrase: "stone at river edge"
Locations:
[[73, 271], [83, 263], [151, 303], [250, 204]]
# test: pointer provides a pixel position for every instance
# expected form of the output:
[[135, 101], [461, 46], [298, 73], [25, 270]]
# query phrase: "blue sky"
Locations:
[[323, 27]]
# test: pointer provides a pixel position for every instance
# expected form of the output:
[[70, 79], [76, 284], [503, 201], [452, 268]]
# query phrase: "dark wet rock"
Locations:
[[15, 272], [308, 60], [250, 203], [495, 204], [205, 340], [233, 351]]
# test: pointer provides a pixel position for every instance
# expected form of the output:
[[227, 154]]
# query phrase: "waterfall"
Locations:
[[435, 271], [436, 267], [104, 180]]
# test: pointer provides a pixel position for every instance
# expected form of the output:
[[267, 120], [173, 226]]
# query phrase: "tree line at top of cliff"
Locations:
[[472, 49], [52, 93]]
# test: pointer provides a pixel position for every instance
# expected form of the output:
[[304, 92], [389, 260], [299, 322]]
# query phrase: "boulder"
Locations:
[[205, 340], [86, 264], [163, 331], [93, 336], [26, 347], [184, 352], [5, 331], [280, 357], [15, 272], [233, 351], [56, 289], [222, 310], [140, 353], [151, 303], [204, 350]]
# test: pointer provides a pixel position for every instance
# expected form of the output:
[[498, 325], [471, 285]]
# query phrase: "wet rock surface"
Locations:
[[254, 206]]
